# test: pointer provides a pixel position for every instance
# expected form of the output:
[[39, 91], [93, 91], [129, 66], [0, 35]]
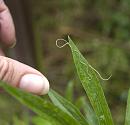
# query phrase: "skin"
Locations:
[[9, 67]]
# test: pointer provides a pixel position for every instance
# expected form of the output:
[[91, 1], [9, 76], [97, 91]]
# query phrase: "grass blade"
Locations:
[[42, 107], [39, 121], [69, 91], [92, 86], [127, 118], [89, 113], [67, 107]]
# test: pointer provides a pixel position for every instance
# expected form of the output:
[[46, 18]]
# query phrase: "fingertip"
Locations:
[[23, 76], [46, 86], [35, 84]]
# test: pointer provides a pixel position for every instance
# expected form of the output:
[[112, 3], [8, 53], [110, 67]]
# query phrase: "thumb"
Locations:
[[22, 76]]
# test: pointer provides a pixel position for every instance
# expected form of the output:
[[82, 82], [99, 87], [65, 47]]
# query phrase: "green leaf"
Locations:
[[39, 121], [69, 91], [67, 107], [40, 106], [92, 86], [127, 118], [89, 113], [17, 121]]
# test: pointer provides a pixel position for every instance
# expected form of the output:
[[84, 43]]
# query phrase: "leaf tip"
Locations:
[[69, 39]]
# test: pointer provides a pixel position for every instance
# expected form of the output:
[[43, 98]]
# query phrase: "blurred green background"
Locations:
[[101, 29]]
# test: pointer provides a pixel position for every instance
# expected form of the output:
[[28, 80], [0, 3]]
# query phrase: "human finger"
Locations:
[[23, 76]]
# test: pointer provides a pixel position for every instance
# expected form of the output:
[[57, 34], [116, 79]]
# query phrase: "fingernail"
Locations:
[[34, 83]]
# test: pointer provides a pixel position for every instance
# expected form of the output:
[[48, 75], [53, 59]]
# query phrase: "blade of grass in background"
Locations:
[[92, 86], [82, 103], [69, 91], [127, 118], [39, 121], [24, 120], [67, 107], [40, 106], [17, 121]]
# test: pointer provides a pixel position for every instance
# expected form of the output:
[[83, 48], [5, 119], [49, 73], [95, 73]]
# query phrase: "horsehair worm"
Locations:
[[100, 74], [67, 43], [58, 40]]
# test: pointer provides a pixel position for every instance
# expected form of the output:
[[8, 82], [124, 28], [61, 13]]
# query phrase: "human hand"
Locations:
[[14, 72]]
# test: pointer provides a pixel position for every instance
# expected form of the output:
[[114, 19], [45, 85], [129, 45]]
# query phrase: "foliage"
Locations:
[[63, 112], [103, 29], [127, 119]]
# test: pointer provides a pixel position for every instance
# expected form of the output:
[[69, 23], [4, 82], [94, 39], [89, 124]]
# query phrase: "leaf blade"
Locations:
[[91, 86], [41, 107], [89, 113], [67, 106], [127, 118], [69, 91]]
